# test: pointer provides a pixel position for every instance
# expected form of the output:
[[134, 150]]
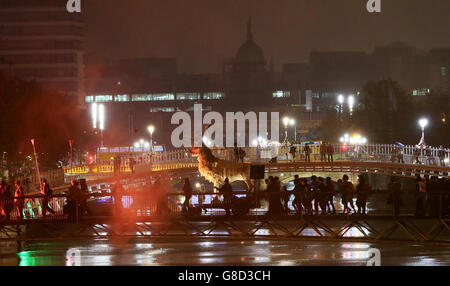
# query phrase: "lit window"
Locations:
[[421, 92], [213, 95], [443, 71], [163, 96], [121, 98], [142, 97], [89, 99], [188, 96], [281, 94], [103, 98], [163, 109]]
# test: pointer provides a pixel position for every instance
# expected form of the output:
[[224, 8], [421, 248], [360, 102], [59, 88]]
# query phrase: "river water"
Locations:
[[212, 252]]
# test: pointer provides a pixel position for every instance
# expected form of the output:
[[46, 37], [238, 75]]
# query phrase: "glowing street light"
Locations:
[[351, 103], [98, 118], [356, 139], [341, 99], [423, 123], [151, 130]]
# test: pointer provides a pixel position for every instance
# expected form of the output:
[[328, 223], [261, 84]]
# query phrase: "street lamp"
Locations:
[[286, 121], [423, 124], [151, 130], [351, 103]]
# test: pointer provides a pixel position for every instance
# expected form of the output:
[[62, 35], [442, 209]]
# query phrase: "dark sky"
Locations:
[[201, 33]]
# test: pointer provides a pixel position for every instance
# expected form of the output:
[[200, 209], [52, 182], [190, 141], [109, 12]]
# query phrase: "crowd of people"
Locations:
[[326, 151], [317, 196]]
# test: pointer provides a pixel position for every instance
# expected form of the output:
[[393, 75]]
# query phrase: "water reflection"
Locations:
[[217, 252]]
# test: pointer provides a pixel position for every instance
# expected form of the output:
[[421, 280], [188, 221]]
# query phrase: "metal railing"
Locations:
[[207, 204]]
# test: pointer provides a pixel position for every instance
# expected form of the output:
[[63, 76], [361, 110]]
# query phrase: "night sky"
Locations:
[[202, 33]]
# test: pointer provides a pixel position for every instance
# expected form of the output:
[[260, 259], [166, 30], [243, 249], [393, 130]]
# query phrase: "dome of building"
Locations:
[[250, 52]]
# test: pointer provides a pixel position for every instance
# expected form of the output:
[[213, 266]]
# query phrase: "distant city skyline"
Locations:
[[200, 34]]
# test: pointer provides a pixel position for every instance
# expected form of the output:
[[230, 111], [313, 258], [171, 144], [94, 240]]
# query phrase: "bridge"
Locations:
[[383, 159], [140, 218]]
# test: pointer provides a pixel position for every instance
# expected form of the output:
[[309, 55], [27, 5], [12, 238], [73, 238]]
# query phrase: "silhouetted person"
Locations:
[[330, 153], [8, 200], [323, 151], [307, 151], [19, 199], [236, 153], [132, 165], [421, 192], [84, 196], [315, 188], [347, 195], [362, 193], [299, 193], [394, 190], [323, 195], [330, 195], [286, 198], [47, 194], [293, 152], [227, 192], [117, 194], [187, 191]]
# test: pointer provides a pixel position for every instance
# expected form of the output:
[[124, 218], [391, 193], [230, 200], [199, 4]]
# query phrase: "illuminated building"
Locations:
[[40, 41]]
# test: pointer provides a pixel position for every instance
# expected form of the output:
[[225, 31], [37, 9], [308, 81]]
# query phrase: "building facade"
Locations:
[[41, 41]]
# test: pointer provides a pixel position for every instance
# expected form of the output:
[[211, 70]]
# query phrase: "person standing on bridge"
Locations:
[[347, 195], [331, 192], [394, 196], [293, 152], [47, 194], [362, 191], [8, 199], [307, 151], [187, 191], [330, 153], [421, 192], [227, 192], [19, 199], [116, 194], [323, 151], [441, 155], [298, 194]]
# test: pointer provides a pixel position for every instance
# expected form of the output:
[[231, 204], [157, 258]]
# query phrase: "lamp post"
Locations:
[[294, 123], [423, 124], [37, 164], [151, 130], [286, 121], [341, 101]]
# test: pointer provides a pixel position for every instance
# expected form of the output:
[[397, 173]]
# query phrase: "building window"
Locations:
[[121, 98], [163, 109], [213, 95], [141, 97], [188, 96], [153, 97], [281, 94], [89, 99], [103, 98], [163, 97], [444, 71], [421, 92], [315, 95]]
